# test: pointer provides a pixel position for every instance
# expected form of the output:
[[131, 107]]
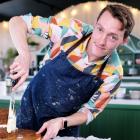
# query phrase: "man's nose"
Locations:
[[102, 40]]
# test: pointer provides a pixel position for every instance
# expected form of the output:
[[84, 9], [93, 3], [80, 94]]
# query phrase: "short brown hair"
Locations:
[[123, 14]]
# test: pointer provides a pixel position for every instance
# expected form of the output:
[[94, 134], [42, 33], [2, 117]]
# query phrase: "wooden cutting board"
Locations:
[[19, 134], [3, 115]]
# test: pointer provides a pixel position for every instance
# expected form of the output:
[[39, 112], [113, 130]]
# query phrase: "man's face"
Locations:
[[107, 35]]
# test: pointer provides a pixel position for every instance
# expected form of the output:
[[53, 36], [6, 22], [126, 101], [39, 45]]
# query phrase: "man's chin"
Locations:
[[99, 56]]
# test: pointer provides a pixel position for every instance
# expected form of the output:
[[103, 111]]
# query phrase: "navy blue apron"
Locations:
[[59, 89]]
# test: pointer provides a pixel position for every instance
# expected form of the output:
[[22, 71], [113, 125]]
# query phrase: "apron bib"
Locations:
[[59, 89]]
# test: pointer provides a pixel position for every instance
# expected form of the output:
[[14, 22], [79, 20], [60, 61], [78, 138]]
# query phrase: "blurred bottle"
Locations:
[[10, 83]]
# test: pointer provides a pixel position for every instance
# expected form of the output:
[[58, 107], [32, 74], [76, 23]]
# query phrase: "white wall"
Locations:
[[86, 12], [5, 40]]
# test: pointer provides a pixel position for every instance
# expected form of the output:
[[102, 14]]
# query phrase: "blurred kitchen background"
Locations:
[[120, 120]]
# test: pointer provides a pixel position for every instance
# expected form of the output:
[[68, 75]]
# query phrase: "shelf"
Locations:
[[130, 85], [124, 102], [131, 77], [134, 79]]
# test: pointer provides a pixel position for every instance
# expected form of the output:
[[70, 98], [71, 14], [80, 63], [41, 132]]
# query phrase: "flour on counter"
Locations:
[[11, 124], [79, 138]]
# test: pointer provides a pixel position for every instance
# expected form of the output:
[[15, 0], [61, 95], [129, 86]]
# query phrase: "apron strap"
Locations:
[[102, 68], [77, 44]]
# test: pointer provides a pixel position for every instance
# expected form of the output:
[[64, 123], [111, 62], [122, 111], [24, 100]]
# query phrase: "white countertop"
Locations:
[[112, 101], [125, 101], [131, 77], [7, 97], [130, 84], [19, 93]]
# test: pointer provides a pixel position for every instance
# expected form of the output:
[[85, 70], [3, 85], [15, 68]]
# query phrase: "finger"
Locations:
[[15, 64], [48, 135], [16, 69], [20, 82], [44, 126], [17, 75], [51, 133]]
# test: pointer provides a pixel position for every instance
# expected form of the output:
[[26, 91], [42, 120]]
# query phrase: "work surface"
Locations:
[[30, 135], [21, 134], [73, 138]]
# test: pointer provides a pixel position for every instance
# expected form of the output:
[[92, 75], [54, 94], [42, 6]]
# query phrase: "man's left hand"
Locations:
[[52, 126]]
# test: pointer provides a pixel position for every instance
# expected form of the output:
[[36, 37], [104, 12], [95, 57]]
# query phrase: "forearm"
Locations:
[[18, 32], [77, 118]]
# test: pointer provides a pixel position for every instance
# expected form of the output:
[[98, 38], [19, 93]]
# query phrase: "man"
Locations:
[[81, 73]]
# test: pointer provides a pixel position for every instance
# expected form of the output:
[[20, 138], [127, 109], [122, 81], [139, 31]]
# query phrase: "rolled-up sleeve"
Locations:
[[100, 98], [28, 20], [55, 28], [45, 27]]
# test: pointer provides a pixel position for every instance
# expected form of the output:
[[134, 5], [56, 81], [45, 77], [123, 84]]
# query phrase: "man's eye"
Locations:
[[114, 38], [99, 29]]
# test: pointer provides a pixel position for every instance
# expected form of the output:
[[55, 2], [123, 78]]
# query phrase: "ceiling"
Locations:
[[9, 8]]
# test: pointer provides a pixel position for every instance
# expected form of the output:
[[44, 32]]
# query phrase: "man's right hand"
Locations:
[[20, 70]]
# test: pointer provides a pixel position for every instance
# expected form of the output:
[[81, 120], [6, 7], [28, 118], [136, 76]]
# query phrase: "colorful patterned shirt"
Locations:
[[63, 33]]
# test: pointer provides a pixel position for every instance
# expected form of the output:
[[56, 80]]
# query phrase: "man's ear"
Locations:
[[125, 41]]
